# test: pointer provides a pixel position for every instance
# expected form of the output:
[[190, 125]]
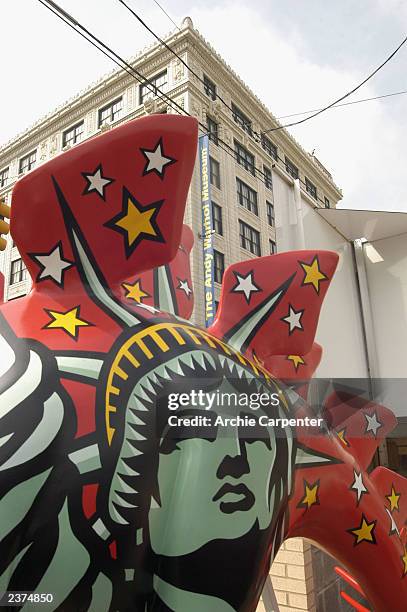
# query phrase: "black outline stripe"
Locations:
[[72, 225], [283, 288]]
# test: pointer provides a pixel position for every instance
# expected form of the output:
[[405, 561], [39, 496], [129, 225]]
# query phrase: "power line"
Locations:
[[349, 93], [183, 62], [396, 93], [316, 111], [105, 49], [229, 149], [165, 13], [119, 61], [256, 135]]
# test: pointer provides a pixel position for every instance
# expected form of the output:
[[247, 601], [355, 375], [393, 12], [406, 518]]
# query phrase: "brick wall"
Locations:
[[292, 578]]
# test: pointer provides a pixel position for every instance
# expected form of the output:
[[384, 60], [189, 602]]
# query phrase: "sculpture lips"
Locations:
[[228, 507]]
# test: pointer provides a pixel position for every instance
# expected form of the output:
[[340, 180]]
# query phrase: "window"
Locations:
[[268, 179], [73, 135], [244, 158], [217, 218], [273, 247], [150, 90], [270, 213], [269, 147], [18, 271], [27, 163], [215, 172], [246, 196], [327, 202], [291, 168], [249, 238], [219, 265], [4, 177], [111, 112], [310, 188], [209, 88], [241, 119], [212, 130], [216, 305]]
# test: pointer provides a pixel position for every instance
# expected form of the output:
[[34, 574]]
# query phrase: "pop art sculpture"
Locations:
[[104, 505]]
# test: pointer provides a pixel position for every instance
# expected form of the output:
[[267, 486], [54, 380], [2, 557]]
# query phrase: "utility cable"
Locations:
[[85, 33], [316, 111], [161, 41], [119, 61], [349, 93], [165, 13], [183, 62], [105, 49], [396, 93]]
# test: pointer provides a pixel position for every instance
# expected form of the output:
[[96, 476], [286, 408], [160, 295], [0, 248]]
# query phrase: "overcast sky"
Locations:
[[294, 54]]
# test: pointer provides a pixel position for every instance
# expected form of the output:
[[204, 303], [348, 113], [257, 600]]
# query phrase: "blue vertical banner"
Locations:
[[207, 231]]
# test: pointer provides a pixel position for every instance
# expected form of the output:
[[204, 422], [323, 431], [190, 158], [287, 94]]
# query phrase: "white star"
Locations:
[[393, 526], [183, 286], [53, 265], [157, 161], [246, 285], [358, 485], [96, 182], [294, 319], [372, 423]]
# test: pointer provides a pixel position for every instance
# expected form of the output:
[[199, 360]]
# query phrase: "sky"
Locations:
[[295, 55]]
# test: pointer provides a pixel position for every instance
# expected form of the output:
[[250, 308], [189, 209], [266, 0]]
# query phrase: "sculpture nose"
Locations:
[[235, 463]]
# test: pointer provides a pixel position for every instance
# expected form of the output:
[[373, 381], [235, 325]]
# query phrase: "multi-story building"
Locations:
[[244, 162], [243, 158]]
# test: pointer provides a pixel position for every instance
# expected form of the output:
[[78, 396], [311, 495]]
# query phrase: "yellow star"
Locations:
[[297, 361], [136, 222], [393, 499], [135, 292], [68, 321], [310, 495], [404, 559], [313, 275], [341, 436], [364, 533]]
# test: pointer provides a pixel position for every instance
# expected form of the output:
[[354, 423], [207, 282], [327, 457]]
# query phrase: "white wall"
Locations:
[[339, 330], [387, 281], [388, 294]]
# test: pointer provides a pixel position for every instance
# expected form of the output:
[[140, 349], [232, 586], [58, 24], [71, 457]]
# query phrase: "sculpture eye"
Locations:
[[254, 433], [188, 425]]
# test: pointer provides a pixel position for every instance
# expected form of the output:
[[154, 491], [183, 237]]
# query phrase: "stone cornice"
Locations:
[[139, 111], [226, 121], [112, 83], [231, 82], [151, 60]]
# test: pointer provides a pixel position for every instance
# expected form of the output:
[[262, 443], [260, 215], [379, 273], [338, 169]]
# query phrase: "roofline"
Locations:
[[271, 121], [114, 75], [148, 53]]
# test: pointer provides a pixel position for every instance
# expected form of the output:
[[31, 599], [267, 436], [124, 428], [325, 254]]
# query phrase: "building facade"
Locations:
[[243, 160], [243, 164]]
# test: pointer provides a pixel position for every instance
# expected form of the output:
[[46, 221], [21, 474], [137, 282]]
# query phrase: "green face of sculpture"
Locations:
[[212, 488]]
